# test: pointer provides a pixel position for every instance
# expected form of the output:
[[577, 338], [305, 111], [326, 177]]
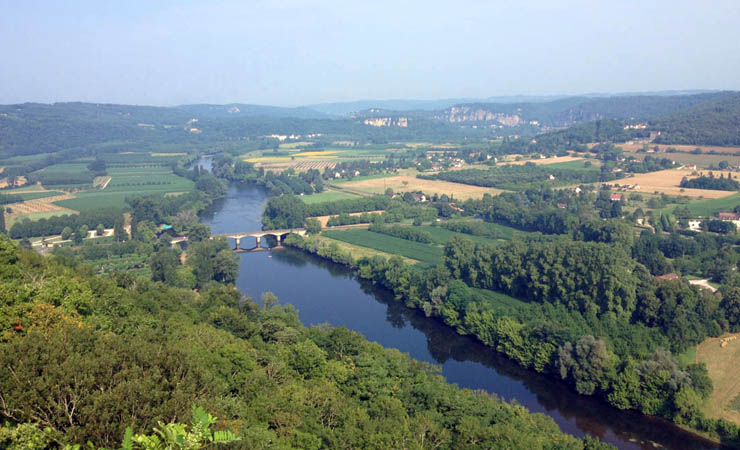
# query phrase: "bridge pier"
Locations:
[[258, 239], [237, 239]]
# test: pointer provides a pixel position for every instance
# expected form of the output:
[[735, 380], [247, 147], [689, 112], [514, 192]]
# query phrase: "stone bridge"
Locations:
[[279, 235]]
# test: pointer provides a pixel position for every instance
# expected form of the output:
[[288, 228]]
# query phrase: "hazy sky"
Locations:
[[291, 52]]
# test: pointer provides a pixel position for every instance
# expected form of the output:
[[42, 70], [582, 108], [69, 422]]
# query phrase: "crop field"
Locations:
[[362, 252], [405, 183], [33, 195], [702, 161], [722, 364], [667, 181], [326, 196], [707, 208], [427, 255], [144, 180], [38, 208], [681, 148], [547, 161]]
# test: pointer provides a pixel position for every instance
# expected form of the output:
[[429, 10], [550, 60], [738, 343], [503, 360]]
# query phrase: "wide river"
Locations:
[[324, 292]]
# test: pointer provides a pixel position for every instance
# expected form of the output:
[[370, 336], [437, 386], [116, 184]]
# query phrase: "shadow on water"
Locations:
[[470, 364]]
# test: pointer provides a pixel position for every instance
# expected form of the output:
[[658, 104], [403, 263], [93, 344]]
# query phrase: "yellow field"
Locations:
[[404, 183], [324, 219], [168, 154], [268, 159], [722, 365], [541, 161], [296, 156], [667, 181]]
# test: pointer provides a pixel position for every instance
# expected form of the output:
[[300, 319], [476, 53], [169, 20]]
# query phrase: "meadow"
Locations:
[[326, 196], [707, 208], [722, 368], [667, 182]]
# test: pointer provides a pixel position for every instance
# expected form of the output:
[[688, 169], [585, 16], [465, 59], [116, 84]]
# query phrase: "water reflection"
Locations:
[[324, 292]]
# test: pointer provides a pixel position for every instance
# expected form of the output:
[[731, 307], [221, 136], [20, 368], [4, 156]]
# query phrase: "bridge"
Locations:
[[279, 235]]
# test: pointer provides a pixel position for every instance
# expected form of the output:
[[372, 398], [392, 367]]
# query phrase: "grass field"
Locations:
[[722, 364], [427, 255], [125, 182], [667, 181], [326, 196], [706, 208], [33, 195], [405, 183]]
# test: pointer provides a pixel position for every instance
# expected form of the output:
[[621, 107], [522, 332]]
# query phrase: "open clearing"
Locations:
[[667, 181], [706, 208], [543, 161], [428, 255], [327, 196], [404, 183], [324, 219], [722, 365], [681, 148]]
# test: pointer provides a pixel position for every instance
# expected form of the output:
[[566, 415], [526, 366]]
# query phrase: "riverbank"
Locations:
[[509, 348]]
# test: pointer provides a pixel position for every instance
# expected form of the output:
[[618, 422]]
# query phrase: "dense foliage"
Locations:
[[514, 177], [711, 182], [92, 356], [609, 344]]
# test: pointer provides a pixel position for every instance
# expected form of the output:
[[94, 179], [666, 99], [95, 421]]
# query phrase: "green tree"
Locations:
[[119, 232], [2, 220], [163, 264], [100, 229], [285, 211], [66, 233], [313, 225]]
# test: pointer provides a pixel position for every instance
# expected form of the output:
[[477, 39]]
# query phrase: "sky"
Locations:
[[296, 52]]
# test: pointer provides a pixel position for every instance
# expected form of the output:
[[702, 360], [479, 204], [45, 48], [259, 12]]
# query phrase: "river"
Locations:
[[324, 292]]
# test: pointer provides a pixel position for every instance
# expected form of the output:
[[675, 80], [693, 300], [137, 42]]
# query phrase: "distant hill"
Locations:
[[244, 110], [712, 123], [573, 110]]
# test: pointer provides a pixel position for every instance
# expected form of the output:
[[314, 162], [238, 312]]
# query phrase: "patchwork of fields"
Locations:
[[667, 182], [405, 183]]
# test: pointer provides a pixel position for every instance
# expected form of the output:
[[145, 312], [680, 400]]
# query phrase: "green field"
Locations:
[[65, 168], [442, 235], [428, 255], [127, 182], [327, 196], [706, 208], [573, 165], [23, 196], [369, 177]]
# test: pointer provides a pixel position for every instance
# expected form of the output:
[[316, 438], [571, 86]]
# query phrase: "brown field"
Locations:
[[701, 161], [324, 219], [405, 183], [541, 161], [667, 181], [680, 148], [299, 165], [41, 205], [722, 365]]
